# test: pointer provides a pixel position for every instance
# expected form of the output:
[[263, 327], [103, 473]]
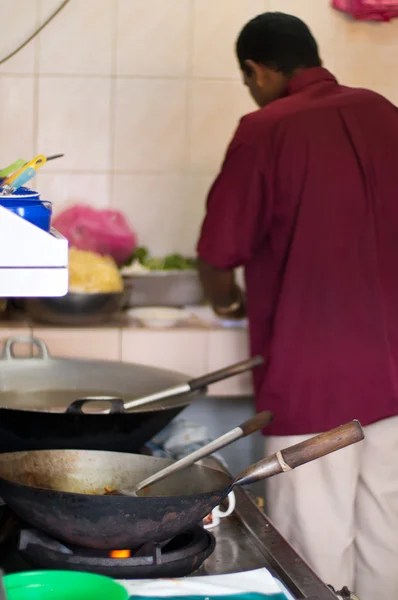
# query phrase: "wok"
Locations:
[[36, 396], [62, 492]]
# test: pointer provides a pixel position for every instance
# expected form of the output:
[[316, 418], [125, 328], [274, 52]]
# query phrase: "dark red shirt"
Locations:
[[307, 201]]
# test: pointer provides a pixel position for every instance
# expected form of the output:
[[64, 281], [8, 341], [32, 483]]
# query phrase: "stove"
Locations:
[[25, 548], [243, 542]]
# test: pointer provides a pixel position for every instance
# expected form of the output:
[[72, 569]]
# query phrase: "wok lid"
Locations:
[[48, 384]]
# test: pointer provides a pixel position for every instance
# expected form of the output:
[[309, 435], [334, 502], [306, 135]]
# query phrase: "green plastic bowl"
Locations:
[[62, 585]]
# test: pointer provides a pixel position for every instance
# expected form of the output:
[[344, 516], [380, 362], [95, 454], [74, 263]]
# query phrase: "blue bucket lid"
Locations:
[[24, 193]]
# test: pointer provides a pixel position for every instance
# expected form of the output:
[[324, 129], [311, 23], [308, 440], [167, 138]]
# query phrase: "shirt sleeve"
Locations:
[[237, 213]]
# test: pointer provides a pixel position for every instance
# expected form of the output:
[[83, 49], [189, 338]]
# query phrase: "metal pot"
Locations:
[[35, 394], [75, 309], [163, 288]]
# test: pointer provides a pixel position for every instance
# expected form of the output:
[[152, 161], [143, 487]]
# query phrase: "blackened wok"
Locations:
[[62, 492], [38, 408]]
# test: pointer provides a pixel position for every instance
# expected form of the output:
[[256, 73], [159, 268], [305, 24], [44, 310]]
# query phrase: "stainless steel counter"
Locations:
[[247, 540]]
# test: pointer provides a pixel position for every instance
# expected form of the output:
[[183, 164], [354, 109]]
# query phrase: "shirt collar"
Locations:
[[306, 78]]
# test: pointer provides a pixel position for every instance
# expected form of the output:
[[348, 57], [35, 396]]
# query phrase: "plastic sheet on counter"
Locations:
[[250, 585]]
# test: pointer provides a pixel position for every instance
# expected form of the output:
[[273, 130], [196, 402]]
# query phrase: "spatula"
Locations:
[[248, 427]]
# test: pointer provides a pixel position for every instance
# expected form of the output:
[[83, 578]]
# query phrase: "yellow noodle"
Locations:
[[92, 273]]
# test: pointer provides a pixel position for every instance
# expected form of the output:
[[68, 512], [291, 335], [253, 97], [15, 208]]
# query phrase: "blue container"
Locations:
[[26, 204], [25, 193]]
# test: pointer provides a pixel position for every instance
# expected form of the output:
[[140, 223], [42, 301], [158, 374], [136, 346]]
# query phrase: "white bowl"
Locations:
[[159, 316]]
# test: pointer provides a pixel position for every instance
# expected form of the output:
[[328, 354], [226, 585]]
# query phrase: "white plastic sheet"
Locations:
[[259, 581]]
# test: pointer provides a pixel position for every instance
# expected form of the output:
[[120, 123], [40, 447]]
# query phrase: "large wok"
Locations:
[[38, 408], [62, 492]]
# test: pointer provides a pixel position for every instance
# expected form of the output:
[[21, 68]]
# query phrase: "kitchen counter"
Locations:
[[194, 347], [248, 540], [246, 544]]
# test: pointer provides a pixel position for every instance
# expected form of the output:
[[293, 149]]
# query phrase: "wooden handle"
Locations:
[[323, 444], [256, 423], [300, 454], [246, 365]]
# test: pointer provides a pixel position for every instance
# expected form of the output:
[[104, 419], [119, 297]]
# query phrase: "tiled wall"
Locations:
[[143, 96]]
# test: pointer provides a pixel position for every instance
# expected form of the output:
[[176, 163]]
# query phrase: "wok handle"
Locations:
[[302, 453], [198, 384], [241, 367], [76, 408], [8, 353]]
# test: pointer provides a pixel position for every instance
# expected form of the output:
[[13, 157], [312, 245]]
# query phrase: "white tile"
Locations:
[[16, 119], [79, 39], [193, 210], [153, 205], [183, 351], [215, 108], [150, 125], [371, 58], [217, 26], [102, 343], [66, 189], [226, 348], [74, 117], [153, 37], [18, 24], [388, 91], [359, 53]]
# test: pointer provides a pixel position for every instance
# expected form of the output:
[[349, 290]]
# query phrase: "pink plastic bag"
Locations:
[[103, 231], [369, 10]]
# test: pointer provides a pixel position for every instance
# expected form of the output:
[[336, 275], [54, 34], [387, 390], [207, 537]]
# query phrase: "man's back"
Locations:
[[323, 285], [306, 201]]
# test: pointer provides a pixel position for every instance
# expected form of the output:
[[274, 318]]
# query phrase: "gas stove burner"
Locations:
[[178, 557]]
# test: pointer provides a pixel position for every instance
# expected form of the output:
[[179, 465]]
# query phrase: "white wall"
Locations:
[[143, 96]]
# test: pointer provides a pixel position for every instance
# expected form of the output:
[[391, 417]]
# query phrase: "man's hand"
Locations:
[[222, 291]]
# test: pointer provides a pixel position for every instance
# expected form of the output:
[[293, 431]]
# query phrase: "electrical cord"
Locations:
[[30, 38]]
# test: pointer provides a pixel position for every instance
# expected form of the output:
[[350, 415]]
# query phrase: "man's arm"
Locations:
[[222, 291], [236, 220]]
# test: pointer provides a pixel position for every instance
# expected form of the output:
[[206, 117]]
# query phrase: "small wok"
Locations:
[[62, 492]]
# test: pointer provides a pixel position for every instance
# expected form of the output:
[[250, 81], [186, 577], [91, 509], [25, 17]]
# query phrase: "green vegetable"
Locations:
[[140, 254], [154, 264], [178, 262], [171, 262]]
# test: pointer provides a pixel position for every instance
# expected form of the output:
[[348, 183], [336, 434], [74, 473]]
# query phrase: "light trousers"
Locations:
[[340, 512]]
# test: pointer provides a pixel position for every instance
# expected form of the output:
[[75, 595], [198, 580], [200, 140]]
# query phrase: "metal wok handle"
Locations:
[[76, 408], [8, 353], [197, 384], [250, 426], [302, 453]]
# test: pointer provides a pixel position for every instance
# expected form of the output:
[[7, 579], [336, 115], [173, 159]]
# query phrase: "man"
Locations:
[[307, 202]]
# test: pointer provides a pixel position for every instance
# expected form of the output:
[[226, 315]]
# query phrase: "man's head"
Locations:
[[271, 49]]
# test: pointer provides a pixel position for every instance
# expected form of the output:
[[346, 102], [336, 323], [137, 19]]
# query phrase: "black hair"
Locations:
[[280, 41]]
